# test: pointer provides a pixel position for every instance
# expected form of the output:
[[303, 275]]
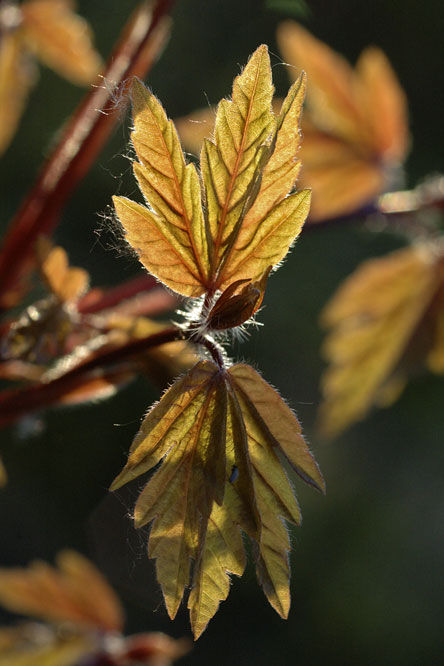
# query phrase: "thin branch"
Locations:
[[17, 402], [402, 205], [80, 144]]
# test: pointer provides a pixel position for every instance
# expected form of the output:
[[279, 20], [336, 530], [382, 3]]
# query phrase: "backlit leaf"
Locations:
[[17, 75], [244, 221], [217, 433], [75, 592], [385, 322], [50, 30], [355, 128], [66, 283], [61, 39]]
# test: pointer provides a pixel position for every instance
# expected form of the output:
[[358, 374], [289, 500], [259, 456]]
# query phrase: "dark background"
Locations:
[[367, 583]]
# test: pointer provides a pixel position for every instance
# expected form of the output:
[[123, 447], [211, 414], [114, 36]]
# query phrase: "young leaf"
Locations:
[[75, 592], [384, 321], [248, 222], [66, 283], [355, 128], [50, 30], [61, 39], [217, 433]]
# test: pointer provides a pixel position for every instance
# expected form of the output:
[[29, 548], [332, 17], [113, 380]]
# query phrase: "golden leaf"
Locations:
[[75, 592], [50, 30], [66, 283], [355, 128], [248, 221], [61, 39], [16, 78], [384, 322], [217, 433]]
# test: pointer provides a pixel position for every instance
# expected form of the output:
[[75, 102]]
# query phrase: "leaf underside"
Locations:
[[218, 434]]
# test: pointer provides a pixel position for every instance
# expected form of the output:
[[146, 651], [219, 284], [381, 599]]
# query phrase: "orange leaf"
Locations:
[[75, 592], [60, 39]]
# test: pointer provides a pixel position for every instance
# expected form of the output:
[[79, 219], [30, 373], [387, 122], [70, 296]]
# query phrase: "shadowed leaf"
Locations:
[[217, 434]]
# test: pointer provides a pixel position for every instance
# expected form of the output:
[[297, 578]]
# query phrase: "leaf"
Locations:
[[201, 234], [217, 434], [50, 30], [67, 284], [16, 78], [168, 236], [381, 323], [233, 309], [61, 39], [75, 592], [34, 645], [355, 128]]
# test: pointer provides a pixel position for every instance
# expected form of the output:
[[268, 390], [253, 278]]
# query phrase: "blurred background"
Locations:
[[367, 584]]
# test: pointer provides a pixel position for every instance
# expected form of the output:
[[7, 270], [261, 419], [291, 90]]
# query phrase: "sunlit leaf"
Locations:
[[217, 433], [385, 323], [51, 31], [17, 75], [74, 592], [66, 283], [355, 128], [248, 221], [61, 39]]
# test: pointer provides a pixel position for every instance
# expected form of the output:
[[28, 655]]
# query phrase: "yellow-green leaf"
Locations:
[[230, 165], [217, 433], [381, 321]]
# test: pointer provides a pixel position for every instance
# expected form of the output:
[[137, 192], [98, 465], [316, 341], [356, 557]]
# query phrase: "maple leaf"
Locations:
[[50, 31], [355, 127], [218, 433], [385, 321], [249, 217]]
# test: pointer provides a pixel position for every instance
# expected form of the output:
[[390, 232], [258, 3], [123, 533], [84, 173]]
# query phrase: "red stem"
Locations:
[[15, 403], [81, 142]]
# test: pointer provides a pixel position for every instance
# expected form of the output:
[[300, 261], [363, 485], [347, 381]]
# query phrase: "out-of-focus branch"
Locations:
[[140, 296], [401, 206], [17, 402], [81, 141]]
